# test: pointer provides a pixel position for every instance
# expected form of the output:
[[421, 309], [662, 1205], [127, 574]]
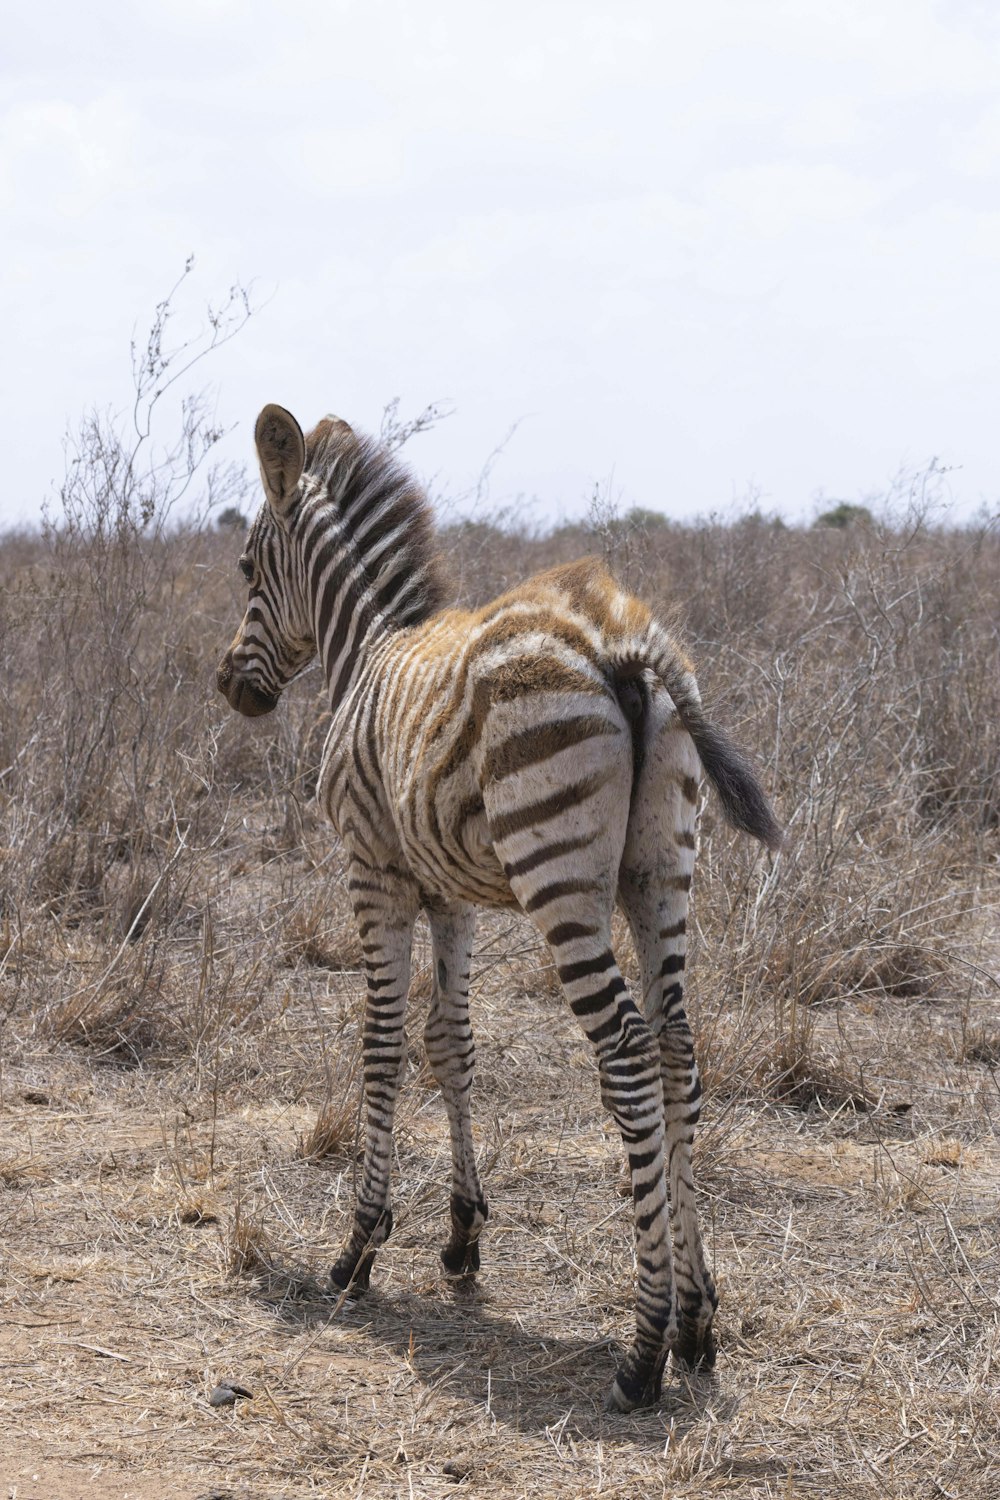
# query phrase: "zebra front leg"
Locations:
[[451, 1053], [387, 943]]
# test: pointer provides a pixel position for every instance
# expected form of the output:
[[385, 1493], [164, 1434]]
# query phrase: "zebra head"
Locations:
[[276, 639]]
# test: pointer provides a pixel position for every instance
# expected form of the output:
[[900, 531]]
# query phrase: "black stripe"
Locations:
[[570, 973], [568, 932], [598, 1034], [549, 807], [557, 889], [528, 747], [359, 769], [589, 1005], [360, 608], [542, 856], [673, 995]]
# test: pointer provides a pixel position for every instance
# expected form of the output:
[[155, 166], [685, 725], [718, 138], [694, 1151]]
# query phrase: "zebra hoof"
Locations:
[[626, 1396], [695, 1347], [617, 1400], [352, 1277], [630, 1392], [461, 1260]]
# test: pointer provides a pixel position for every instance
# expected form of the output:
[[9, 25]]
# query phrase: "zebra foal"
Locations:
[[543, 753]]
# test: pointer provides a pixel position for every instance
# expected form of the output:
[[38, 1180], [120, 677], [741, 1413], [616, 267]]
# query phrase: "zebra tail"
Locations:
[[727, 767]]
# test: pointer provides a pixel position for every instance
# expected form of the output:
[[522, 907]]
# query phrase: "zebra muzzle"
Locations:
[[242, 694]]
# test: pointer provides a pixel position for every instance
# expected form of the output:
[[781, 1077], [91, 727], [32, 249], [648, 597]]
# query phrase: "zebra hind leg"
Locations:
[[658, 933], [452, 1055], [558, 868], [576, 925], [387, 943], [653, 885], [629, 1071]]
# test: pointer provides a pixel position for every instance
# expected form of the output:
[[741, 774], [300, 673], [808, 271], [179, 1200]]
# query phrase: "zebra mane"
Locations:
[[384, 515]]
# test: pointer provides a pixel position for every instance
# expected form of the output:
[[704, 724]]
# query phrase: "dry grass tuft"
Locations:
[[981, 1045], [807, 1076], [126, 1019], [336, 1131], [249, 1248], [311, 936], [799, 1069], [20, 1170], [198, 1210], [946, 1151]]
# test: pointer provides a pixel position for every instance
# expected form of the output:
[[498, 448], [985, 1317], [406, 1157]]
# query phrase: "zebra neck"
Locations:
[[371, 565], [363, 636], [347, 622]]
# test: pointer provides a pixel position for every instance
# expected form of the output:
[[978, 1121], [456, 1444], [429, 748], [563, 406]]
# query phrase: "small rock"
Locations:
[[226, 1392]]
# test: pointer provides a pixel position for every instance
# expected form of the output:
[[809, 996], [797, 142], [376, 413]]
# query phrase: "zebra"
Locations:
[[541, 753]]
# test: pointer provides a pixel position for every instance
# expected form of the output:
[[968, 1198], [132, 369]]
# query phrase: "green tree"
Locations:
[[845, 514]]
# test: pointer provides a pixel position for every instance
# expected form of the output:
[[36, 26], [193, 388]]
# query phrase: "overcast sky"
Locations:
[[693, 249]]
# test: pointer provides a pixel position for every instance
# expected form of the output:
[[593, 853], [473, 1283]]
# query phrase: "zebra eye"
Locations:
[[246, 568]]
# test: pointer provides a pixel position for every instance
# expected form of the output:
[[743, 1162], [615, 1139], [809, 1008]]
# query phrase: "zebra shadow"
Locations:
[[457, 1341]]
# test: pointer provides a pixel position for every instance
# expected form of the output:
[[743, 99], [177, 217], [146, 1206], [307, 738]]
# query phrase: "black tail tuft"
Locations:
[[734, 778], [727, 767]]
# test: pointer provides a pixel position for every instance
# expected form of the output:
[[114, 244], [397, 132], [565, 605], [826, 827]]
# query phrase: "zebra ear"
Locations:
[[281, 449], [331, 429]]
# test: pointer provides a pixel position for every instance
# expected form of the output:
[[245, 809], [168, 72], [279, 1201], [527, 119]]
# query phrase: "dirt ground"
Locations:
[[163, 1231]]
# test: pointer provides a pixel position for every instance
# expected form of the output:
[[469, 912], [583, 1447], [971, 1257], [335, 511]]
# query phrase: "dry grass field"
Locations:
[[180, 995]]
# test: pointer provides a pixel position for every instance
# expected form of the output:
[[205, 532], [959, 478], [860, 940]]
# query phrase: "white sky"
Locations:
[[692, 247]]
